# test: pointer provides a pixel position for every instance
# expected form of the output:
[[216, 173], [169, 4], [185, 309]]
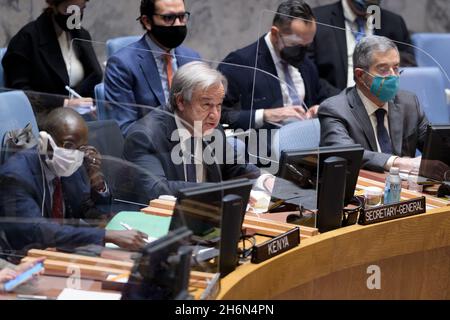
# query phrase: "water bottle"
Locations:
[[393, 186]]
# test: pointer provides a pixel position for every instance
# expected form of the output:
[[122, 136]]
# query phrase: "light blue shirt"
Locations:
[[158, 54]]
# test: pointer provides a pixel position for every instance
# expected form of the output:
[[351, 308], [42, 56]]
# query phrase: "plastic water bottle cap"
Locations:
[[394, 170]]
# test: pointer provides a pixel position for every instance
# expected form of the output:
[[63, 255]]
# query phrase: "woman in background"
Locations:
[[40, 58]]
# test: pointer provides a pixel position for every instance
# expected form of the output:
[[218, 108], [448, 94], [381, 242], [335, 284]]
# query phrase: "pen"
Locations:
[[73, 92], [126, 226], [28, 297]]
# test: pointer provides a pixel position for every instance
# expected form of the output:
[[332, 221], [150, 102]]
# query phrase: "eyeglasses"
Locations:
[[387, 71], [171, 18], [210, 107]]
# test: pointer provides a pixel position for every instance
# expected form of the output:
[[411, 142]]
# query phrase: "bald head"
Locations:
[[67, 127]]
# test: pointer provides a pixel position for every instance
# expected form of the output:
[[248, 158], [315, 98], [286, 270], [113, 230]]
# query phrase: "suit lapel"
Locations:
[[338, 22], [396, 117], [49, 48], [266, 63], [170, 127], [362, 118], [150, 71]]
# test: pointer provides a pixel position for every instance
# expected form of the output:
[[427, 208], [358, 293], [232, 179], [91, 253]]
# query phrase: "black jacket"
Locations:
[[34, 62], [330, 44]]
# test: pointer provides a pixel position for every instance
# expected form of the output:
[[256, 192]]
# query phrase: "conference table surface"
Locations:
[[407, 258]]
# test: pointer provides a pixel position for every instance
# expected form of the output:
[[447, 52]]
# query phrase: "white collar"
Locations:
[[371, 107], [348, 12], [275, 57]]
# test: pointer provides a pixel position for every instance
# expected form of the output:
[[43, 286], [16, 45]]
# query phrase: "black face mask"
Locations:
[[169, 37], [62, 19], [294, 55]]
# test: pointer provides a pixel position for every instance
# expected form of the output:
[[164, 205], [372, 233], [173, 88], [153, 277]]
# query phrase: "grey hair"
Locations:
[[192, 76], [362, 57]]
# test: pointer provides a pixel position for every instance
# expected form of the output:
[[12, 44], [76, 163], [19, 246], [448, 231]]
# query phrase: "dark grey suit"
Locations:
[[344, 120], [149, 145]]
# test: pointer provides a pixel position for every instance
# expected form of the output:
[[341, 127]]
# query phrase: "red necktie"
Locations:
[[57, 209], [169, 69]]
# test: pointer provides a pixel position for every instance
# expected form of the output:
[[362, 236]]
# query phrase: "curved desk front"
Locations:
[[407, 258]]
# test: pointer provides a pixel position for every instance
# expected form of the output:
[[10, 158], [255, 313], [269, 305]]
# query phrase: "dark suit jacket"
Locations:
[[34, 62], [132, 77], [21, 195], [237, 104], [149, 145], [344, 120], [329, 50]]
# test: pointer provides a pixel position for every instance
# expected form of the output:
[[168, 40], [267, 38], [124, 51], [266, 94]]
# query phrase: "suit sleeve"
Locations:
[[407, 55], [333, 132], [422, 126], [119, 93], [234, 113], [25, 226]]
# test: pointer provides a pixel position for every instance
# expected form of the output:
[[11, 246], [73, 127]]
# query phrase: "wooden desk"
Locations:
[[413, 255]]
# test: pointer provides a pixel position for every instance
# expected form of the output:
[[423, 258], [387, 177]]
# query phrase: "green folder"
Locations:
[[154, 226]]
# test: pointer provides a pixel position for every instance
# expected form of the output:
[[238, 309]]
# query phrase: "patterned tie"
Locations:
[[293, 94], [361, 22], [169, 69], [57, 209], [383, 136]]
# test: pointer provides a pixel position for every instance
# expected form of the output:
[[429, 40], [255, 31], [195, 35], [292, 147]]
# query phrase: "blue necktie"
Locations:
[[293, 94], [383, 136], [361, 22]]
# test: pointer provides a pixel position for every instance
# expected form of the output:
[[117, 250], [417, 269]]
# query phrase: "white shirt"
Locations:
[[185, 137], [74, 67], [296, 78], [371, 108], [350, 24]]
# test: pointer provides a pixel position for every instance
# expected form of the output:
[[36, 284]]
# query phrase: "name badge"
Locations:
[[393, 211], [276, 246]]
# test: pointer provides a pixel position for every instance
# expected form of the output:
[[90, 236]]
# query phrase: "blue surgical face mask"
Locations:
[[384, 88]]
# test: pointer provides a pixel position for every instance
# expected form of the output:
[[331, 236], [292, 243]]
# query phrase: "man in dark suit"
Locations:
[[388, 123], [138, 77], [183, 145], [340, 26], [42, 188], [287, 86]]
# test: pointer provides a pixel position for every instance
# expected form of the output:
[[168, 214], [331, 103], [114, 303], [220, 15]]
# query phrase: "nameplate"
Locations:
[[276, 246], [393, 211]]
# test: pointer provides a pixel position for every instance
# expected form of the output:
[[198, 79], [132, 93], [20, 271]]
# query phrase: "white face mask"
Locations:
[[65, 162]]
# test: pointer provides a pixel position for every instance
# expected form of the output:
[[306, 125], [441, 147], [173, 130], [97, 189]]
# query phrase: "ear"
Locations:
[[274, 31], [181, 105], [359, 73], [146, 22], [43, 142]]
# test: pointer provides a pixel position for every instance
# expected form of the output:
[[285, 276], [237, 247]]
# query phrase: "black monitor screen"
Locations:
[[200, 208], [436, 154], [300, 167]]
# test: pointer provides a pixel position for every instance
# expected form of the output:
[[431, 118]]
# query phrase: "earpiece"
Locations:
[[43, 142]]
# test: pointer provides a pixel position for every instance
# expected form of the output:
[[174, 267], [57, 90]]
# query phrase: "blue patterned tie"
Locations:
[[293, 94], [361, 22], [383, 136]]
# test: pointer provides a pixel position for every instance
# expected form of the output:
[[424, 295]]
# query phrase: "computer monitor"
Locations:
[[300, 167], [436, 154], [163, 270], [215, 214]]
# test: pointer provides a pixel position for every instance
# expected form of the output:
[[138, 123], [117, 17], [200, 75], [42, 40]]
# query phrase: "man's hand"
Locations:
[[127, 239], [407, 164], [280, 114], [312, 112], [73, 103], [93, 163]]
